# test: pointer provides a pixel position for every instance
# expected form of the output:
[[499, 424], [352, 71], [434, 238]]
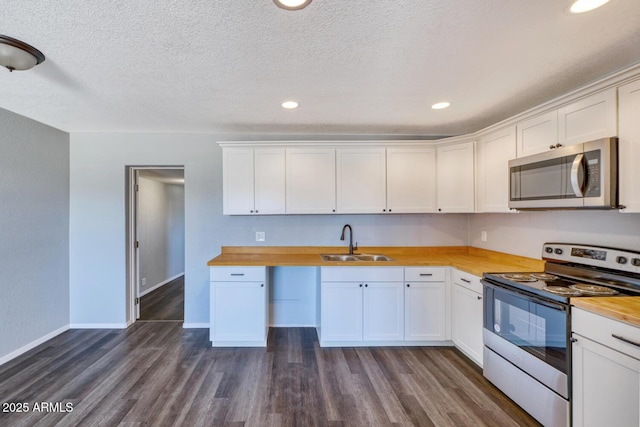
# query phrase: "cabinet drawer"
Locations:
[[424, 274], [601, 329], [238, 274], [467, 280], [362, 274]]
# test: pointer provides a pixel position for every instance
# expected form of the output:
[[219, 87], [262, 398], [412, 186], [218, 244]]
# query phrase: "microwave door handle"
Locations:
[[576, 168]]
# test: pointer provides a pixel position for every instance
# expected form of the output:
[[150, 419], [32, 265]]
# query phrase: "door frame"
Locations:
[[133, 251]]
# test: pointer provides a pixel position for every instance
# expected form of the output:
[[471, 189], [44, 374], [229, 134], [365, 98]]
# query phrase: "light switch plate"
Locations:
[[260, 236], [483, 236]]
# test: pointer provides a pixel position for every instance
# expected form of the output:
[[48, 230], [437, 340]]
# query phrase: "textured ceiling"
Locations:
[[356, 67]]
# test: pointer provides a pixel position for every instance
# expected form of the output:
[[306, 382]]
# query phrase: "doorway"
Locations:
[[155, 243]]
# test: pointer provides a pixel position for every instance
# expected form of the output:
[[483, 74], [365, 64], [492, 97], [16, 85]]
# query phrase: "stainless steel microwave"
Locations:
[[573, 177]]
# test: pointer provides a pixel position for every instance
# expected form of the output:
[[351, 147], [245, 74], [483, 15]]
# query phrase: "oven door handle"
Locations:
[[536, 299], [577, 171]]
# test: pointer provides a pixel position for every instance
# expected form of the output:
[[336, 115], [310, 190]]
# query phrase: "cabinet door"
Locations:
[[238, 313], [341, 311], [361, 180], [494, 152], [269, 181], [629, 146], [590, 118], [311, 180], [425, 311], [383, 311], [537, 134], [606, 386], [455, 178], [411, 179], [238, 189], [466, 308]]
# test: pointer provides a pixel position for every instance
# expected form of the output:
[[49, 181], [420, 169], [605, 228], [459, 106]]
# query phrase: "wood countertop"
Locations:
[[626, 309], [469, 259]]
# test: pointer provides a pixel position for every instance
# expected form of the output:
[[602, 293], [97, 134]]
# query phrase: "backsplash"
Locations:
[[524, 233]]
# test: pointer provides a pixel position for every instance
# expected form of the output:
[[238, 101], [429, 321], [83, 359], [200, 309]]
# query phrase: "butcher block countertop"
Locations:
[[466, 258], [626, 309]]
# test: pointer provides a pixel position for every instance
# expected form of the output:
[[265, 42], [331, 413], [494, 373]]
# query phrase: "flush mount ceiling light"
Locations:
[[440, 105], [17, 55], [292, 4], [289, 105], [580, 6]]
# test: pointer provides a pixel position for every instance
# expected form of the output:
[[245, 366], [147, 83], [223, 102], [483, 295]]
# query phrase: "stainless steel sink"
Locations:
[[355, 258]]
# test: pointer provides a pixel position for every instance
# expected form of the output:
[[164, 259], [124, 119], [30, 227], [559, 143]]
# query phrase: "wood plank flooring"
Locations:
[[159, 374], [164, 303]]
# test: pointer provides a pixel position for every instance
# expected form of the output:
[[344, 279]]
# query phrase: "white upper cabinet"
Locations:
[[494, 152], [629, 146], [537, 134], [269, 175], [455, 178], [411, 179], [254, 181], [361, 180], [311, 180], [590, 118], [238, 194]]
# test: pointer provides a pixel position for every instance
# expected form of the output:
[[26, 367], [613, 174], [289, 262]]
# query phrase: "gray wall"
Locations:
[[97, 228], [524, 233], [34, 230], [160, 232]]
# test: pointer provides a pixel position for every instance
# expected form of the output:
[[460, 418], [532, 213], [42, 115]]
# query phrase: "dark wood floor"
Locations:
[[165, 303], [157, 373]]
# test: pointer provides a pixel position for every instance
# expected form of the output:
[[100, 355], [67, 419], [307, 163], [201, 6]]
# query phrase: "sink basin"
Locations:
[[355, 258]]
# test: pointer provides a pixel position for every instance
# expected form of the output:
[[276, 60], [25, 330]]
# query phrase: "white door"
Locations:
[[466, 308], [239, 311], [456, 178], [411, 179], [383, 311], [494, 152], [425, 311], [629, 146], [311, 180], [341, 311], [269, 174], [361, 180], [590, 118], [606, 386], [537, 134], [238, 181]]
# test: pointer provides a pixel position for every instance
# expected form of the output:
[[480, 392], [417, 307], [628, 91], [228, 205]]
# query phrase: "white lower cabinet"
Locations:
[[466, 307], [425, 302], [238, 307], [361, 305], [606, 371]]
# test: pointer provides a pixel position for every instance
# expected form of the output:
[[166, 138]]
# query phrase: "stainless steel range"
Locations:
[[527, 322]]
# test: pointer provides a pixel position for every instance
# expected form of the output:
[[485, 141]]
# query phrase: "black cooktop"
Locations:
[[550, 286]]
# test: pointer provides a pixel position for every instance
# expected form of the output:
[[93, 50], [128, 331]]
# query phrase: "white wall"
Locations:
[[34, 233], [524, 233], [160, 231], [97, 225]]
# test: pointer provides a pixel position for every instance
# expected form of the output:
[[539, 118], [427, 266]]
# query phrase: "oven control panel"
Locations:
[[598, 256]]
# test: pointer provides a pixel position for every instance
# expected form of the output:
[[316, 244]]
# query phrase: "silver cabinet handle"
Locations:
[[479, 297], [426, 274], [465, 280], [577, 169], [237, 274], [628, 341]]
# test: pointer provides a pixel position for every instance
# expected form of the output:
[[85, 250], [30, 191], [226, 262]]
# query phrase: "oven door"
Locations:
[[529, 332]]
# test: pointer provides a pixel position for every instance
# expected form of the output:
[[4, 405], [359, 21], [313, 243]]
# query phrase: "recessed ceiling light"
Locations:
[[440, 105], [290, 105], [580, 6], [292, 4]]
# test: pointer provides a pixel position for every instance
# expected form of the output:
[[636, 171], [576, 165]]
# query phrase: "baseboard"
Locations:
[[170, 279], [98, 326], [195, 325], [33, 344]]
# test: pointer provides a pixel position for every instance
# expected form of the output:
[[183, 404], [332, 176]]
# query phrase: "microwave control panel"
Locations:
[[592, 187]]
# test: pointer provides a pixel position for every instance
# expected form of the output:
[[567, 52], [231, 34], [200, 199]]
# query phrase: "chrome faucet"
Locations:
[[351, 247]]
